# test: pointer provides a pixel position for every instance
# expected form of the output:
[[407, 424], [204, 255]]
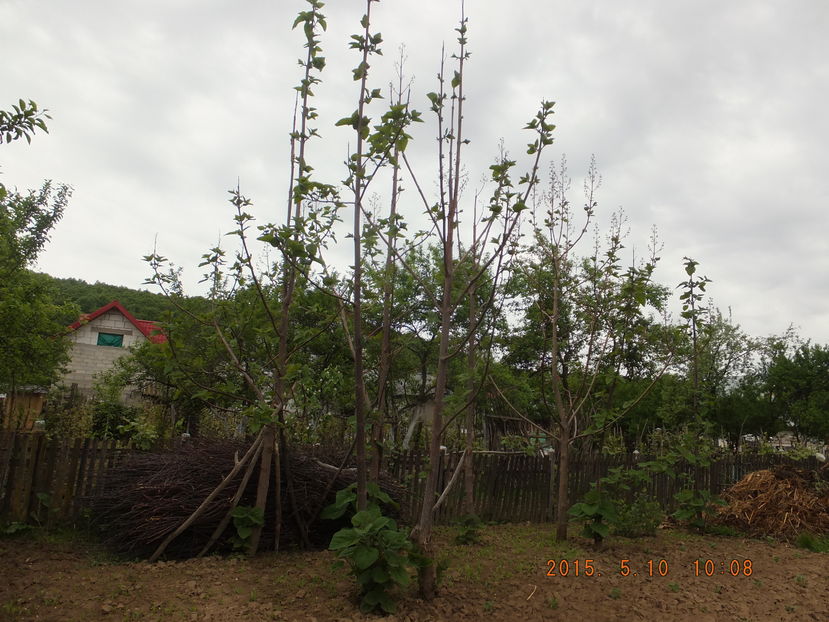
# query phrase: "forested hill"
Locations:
[[143, 304]]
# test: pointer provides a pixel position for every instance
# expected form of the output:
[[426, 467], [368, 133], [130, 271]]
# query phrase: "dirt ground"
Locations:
[[58, 578]]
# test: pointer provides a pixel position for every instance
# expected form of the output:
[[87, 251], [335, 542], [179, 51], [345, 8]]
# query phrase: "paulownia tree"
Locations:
[[498, 226], [311, 211], [582, 307]]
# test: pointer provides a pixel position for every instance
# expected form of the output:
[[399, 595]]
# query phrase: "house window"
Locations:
[[108, 339]]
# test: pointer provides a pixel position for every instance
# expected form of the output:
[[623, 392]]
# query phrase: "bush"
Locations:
[[637, 519], [597, 511], [378, 554], [470, 530], [696, 507], [108, 417]]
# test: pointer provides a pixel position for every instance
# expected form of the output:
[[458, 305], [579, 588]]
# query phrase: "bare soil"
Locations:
[[54, 578]]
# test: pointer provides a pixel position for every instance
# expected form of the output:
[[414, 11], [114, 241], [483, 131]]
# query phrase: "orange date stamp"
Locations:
[[648, 568]]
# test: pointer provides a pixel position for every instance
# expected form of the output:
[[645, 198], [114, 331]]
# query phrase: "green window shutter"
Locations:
[[108, 339]]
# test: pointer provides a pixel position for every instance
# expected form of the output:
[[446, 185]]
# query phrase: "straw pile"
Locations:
[[780, 503], [148, 495]]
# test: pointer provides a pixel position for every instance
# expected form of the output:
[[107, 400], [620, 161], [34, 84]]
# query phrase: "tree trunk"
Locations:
[[381, 410], [359, 382], [427, 575], [263, 485], [469, 467], [563, 500]]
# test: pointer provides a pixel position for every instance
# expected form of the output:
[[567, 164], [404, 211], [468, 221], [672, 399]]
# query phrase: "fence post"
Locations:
[[6, 450]]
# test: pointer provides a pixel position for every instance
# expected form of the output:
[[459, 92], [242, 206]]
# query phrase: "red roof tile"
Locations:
[[148, 328]]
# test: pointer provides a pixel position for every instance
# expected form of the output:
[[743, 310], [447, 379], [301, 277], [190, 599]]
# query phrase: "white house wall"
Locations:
[[88, 358], [110, 322]]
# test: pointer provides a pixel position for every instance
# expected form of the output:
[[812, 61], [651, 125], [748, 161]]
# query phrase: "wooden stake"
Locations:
[[204, 504], [233, 503]]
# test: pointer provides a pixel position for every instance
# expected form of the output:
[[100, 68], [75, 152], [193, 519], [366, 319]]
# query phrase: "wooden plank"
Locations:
[[531, 479], [74, 459], [486, 486], [86, 458], [90, 468], [543, 487], [539, 498], [43, 483], [76, 502], [417, 486], [502, 490], [491, 498], [522, 487], [15, 480], [7, 441], [60, 487], [25, 477]]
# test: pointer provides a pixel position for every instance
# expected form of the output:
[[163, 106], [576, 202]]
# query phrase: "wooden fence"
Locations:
[[517, 487], [47, 481]]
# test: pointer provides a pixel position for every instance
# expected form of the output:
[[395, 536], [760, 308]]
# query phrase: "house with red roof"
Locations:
[[102, 337], [99, 339]]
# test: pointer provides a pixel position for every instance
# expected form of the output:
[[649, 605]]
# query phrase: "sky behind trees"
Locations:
[[706, 119]]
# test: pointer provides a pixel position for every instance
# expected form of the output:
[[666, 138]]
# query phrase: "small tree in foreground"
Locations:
[[34, 349], [590, 315]]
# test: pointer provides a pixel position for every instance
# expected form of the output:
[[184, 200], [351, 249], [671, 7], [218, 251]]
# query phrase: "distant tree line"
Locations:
[[143, 304]]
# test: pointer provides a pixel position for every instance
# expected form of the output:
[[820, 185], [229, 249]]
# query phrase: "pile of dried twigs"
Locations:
[[781, 503], [149, 495]]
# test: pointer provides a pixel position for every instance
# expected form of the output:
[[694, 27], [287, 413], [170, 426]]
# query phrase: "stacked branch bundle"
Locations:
[[149, 495], [781, 503]]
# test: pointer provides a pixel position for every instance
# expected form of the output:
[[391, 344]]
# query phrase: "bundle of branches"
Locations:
[[780, 503], [148, 496]]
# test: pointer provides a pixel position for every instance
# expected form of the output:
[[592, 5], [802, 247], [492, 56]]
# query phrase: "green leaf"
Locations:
[[399, 575], [333, 511], [343, 539], [364, 556], [379, 575], [386, 603], [601, 529]]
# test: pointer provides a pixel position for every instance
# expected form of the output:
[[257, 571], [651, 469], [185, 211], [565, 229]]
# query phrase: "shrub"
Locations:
[[470, 530], [245, 518], [596, 512], [640, 518], [377, 552], [696, 507]]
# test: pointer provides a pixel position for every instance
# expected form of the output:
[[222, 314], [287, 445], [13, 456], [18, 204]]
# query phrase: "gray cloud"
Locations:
[[706, 118]]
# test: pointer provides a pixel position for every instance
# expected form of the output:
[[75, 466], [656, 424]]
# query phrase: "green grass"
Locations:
[[11, 611], [813, 543]]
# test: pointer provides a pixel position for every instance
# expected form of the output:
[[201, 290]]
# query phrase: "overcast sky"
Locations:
[[707, 119]]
